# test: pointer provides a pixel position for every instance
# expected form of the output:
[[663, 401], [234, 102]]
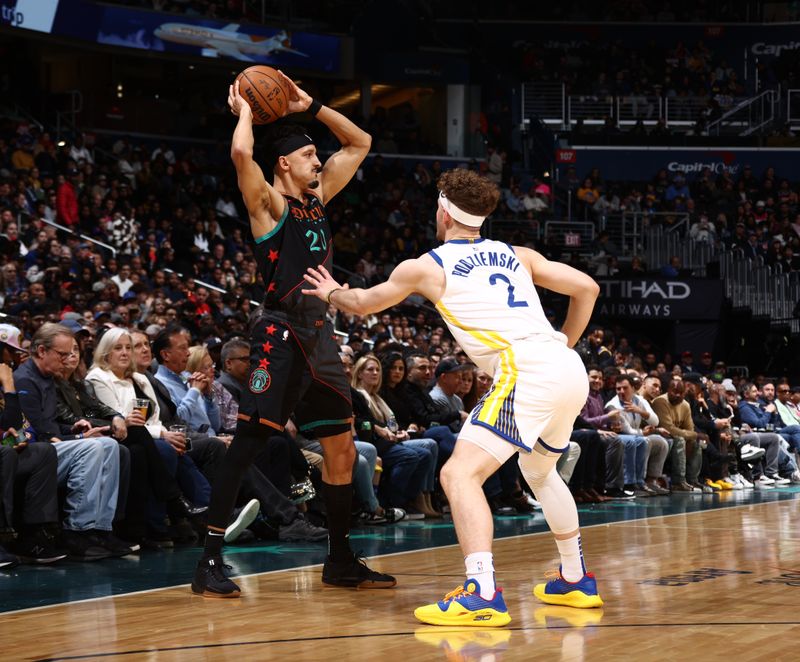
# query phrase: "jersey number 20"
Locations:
[[511, 302]]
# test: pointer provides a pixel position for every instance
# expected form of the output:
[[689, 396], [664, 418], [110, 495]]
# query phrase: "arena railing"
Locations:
[[550, 103], [748, 115], [661, 244], [65, 229]]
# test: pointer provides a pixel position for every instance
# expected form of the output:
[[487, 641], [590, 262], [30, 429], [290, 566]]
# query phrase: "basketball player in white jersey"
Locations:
[[485, 292]]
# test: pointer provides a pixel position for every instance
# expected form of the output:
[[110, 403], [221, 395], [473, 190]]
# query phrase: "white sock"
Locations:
[[559, 509], [572, 566], [481, 568]]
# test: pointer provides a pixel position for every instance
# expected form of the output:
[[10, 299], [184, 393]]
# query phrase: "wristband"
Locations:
[[330, 294], [314, 108]]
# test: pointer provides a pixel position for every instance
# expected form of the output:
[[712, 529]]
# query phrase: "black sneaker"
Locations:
[[40, 547], [618, 494], [114, 545], [300, 529], [182, 532], [264, 529], [84, 546], [210, 580], [7, 559], [157, 539], [354, 573]]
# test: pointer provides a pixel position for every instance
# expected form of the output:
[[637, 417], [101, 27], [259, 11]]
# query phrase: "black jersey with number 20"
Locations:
[[301, 239]]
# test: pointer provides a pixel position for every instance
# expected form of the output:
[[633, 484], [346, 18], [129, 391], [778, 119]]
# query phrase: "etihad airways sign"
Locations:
[[660, 298]]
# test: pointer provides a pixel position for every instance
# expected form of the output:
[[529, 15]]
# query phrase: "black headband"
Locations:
[[289, 144]]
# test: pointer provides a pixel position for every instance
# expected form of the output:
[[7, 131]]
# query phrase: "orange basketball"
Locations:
[[264, 89]]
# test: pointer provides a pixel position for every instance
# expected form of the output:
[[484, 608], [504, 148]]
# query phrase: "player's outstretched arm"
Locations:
[[578, 286], [341, 166], [264, 204], [405, 280]]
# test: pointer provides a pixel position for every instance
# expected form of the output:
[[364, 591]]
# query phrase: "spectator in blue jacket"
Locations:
[[760, 416], [189, 392]]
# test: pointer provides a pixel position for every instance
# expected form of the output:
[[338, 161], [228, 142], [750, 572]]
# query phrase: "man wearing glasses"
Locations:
[[787, 409], [775, 414], [235, 367], [88, 459]]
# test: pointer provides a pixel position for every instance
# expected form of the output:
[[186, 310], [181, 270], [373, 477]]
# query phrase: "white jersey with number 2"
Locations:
[[489, 301], [493, 311]]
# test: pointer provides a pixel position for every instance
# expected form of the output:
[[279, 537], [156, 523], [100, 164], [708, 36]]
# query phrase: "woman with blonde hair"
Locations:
[[388, 438], [117, 385]]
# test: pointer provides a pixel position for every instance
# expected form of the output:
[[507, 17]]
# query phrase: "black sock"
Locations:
[[338, 501], [214, 542]]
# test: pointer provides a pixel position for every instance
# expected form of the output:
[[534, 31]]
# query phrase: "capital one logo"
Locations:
[[717, 167], [762, 48]]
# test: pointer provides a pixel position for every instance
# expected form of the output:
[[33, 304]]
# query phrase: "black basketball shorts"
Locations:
[[295, 369]]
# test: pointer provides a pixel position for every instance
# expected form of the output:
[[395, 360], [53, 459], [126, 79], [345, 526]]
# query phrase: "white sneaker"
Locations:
[[735, 484], [245, 518], [536, 505], [745, 483], [796, 476], [779, 480], [750, 453], [764, 482]]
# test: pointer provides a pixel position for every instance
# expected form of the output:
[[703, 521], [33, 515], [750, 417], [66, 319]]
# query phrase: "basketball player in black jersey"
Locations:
[[294, 361]]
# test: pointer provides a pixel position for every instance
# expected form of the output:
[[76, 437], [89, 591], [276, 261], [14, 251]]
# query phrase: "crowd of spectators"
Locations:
[[134, 443], [758, 213], [688, 429], [92, 331], [681, 71]]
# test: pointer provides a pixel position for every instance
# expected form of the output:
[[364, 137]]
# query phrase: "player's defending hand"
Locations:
[[299, 101], [236, 101], [323, 283]]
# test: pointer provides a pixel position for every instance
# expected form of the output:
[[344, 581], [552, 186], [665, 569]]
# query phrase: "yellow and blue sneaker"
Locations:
[[558, 591], [465, 606]]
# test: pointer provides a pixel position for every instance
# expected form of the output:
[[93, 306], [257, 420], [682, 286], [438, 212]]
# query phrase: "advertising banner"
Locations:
[[660, 298], [628, 164], [182, 35], [34, 15]]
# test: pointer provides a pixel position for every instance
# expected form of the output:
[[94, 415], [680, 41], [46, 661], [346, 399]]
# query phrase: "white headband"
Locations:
[[460, 215]]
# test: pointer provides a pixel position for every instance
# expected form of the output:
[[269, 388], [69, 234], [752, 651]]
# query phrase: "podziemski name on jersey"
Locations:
[[484, 259]]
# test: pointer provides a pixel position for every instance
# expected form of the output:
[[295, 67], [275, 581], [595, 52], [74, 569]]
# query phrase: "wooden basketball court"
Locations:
[[719, 583]]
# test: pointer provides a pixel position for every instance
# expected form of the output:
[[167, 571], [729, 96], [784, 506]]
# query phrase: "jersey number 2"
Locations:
[[318, 242], [511, 302]]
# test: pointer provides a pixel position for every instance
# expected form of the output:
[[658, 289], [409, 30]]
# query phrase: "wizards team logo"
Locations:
[[260, 380]]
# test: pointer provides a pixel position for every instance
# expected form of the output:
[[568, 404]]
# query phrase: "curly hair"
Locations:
[[469, 191]]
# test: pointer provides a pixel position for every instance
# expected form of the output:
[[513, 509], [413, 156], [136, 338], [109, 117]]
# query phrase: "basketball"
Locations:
[[264, 89]]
